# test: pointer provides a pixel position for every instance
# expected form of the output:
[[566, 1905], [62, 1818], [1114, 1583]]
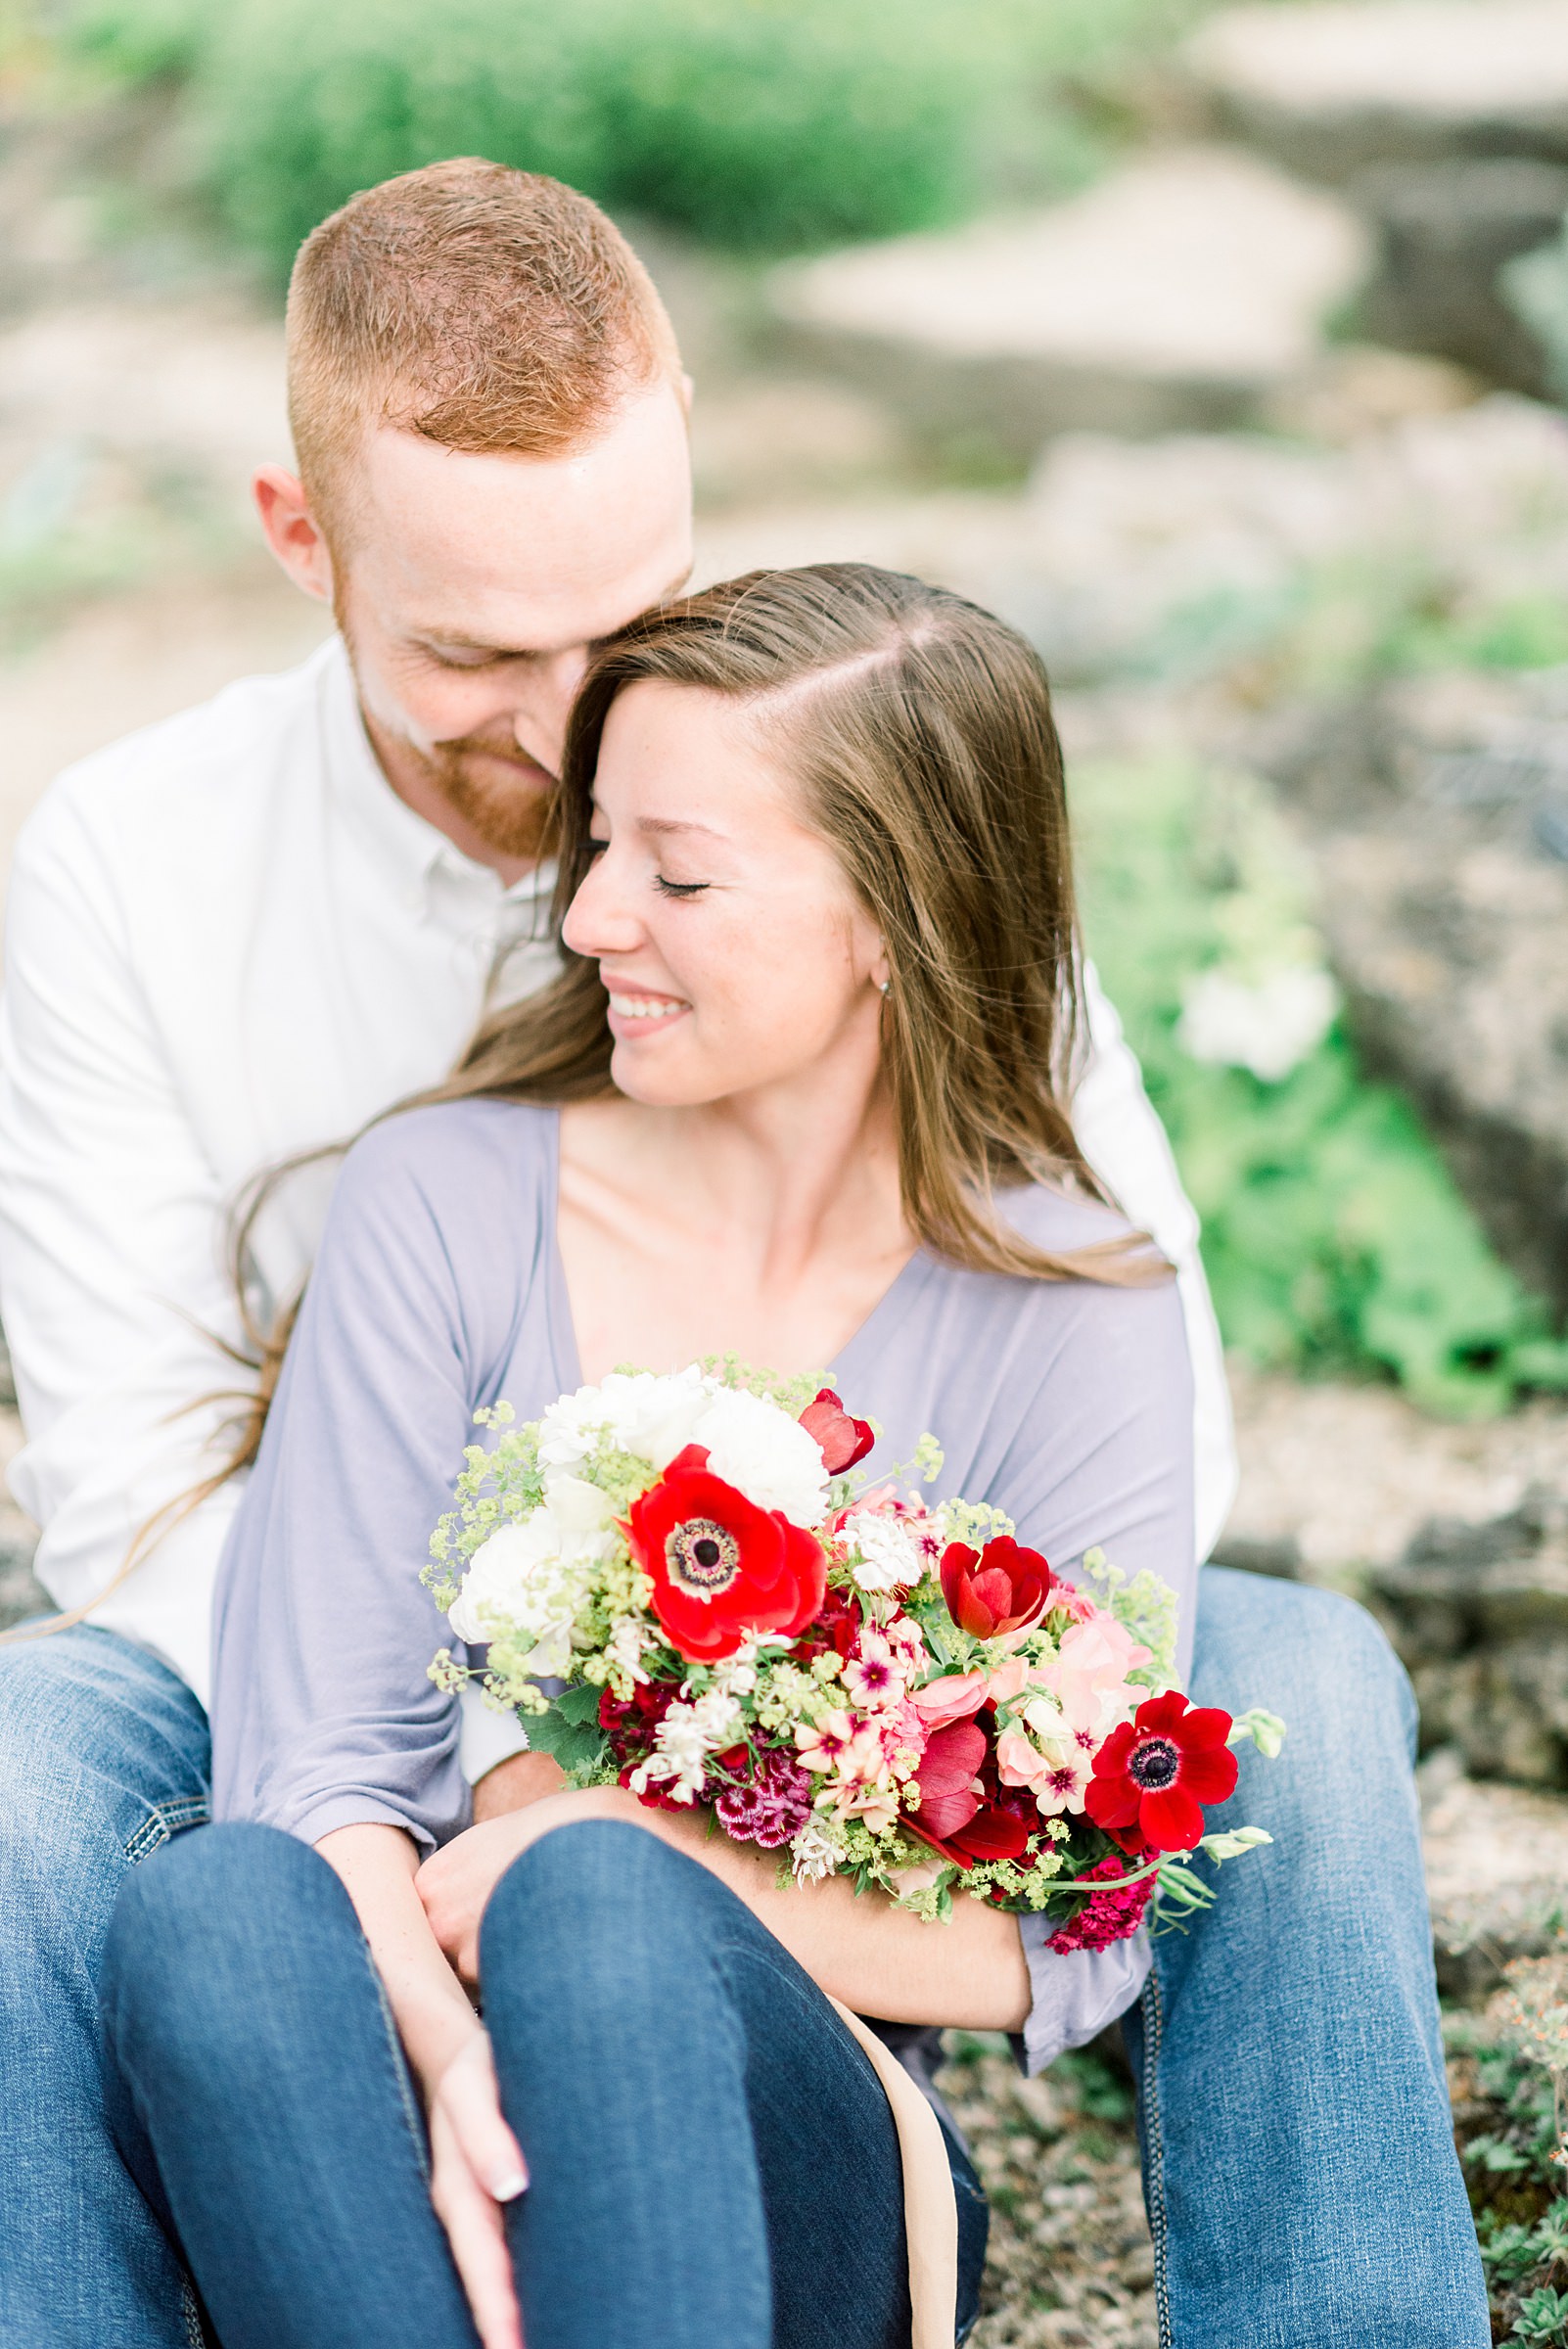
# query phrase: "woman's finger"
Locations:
[[472, 2219], [468, 2095]]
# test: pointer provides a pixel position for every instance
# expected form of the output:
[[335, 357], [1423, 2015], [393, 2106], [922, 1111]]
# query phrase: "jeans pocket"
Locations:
[[165, 1820]]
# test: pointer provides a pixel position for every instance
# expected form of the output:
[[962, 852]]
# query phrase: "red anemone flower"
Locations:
[[1154, 1770], [722, 1568], [1000, 1589], [844, 1440]]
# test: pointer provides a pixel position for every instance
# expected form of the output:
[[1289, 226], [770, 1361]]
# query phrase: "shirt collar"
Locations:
[[419, 862]]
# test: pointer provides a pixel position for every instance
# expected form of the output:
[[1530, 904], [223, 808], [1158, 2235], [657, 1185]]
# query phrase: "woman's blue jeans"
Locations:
[[713, 2162]]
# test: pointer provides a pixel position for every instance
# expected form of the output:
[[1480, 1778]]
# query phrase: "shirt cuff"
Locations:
[[486, 1736], [1076, 1995]]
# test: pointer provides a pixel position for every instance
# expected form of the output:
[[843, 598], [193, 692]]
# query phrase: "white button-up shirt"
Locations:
[[229, 940]]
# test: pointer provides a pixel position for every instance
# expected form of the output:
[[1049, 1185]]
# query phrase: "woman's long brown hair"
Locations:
[[919, 731]]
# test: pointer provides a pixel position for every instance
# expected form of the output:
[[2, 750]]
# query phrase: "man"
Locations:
[[239, 935]]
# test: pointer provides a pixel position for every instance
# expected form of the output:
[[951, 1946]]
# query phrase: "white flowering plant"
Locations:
[[682, 1584]]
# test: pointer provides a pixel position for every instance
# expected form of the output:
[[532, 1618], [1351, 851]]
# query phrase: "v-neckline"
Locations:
[[890, 1308]]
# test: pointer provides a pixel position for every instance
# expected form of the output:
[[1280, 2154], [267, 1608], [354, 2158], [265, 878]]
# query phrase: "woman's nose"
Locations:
[[599, 919]]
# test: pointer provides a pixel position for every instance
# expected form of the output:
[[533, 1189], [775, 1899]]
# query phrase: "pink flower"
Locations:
[[872, 1676], [775, 1806], [1114, 1915], [1068, 1599], [904, 1738], [956, 1696], [1103, 1650], [1019, 1763], [1061, 1789]]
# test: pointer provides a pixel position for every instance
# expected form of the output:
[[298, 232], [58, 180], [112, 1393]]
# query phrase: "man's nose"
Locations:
[[553, 681]]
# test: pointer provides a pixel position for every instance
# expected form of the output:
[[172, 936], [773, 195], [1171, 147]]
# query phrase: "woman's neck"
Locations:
[[767, 1224]]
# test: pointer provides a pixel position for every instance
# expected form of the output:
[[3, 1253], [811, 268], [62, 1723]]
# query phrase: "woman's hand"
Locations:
[[475, 2167]]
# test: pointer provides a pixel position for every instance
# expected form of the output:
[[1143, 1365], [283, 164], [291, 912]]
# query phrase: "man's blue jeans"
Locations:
[[103, 1758], [1303, 2186]]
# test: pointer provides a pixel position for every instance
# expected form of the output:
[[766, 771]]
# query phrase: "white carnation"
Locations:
[[641, 1411], [891, 1555], [499, 1574], [756, 1446], [528, 1575]]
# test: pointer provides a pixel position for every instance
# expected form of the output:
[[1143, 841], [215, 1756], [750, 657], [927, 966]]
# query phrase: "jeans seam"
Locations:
[[194, 2329], [1153, 2015], [165, 1820]]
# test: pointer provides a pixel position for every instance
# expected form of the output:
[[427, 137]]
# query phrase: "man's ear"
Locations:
[[292, 531]]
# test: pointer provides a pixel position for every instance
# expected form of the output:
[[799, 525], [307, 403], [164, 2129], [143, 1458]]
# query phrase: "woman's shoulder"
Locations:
[[1062, 1221], [462, 1156]]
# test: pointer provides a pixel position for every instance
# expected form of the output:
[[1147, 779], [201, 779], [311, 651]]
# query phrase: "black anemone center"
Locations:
[[702, 1557], [1154, 1764]]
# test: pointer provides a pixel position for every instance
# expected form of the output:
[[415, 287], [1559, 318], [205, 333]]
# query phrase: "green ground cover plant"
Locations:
[[1335, 1240]]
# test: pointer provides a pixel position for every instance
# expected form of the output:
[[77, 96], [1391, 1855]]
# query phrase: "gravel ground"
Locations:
[[1070, 2262]]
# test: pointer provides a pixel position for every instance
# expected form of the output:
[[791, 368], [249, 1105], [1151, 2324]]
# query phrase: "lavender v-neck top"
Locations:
[[439, 1287]]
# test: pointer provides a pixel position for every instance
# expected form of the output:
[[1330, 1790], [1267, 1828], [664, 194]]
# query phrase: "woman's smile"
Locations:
[[634, 1011]]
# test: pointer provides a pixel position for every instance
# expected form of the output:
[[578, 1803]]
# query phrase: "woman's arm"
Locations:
[[875, 1958], [475, 2162]]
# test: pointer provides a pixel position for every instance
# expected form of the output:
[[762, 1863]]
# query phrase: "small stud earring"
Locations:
[[884, 985]]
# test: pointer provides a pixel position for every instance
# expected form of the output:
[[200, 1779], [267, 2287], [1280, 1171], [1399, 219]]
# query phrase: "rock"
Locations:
[[1444, 231], [1479, 1613], [1438, 810], [1331, 89], [1181, 292], [1497, 1873]]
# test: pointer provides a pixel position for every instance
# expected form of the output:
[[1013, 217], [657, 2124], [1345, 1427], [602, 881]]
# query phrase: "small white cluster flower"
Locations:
[[685, 1738], [814, 1852], [889, 1553], [627, 1646]]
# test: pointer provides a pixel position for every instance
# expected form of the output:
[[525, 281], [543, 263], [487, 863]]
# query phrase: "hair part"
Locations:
[[487, 310]]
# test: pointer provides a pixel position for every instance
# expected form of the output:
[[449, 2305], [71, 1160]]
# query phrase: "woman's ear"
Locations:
[[881, 970]]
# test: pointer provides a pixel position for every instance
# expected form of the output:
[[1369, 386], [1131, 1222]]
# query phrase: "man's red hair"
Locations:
[[484, 308]]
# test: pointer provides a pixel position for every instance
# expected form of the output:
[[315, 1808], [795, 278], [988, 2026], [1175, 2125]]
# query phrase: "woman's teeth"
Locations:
[[643, 1007]]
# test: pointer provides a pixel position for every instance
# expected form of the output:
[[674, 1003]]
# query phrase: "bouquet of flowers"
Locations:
[[686, 1587]]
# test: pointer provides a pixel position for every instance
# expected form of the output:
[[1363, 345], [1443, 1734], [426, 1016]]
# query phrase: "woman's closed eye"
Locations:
[[678, 889]]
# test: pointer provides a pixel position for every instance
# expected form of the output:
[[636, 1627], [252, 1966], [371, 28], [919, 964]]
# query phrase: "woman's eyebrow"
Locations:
[[668, 823]]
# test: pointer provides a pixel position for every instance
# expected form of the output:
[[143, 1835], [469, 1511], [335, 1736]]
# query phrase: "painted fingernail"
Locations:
[[509, 2184]]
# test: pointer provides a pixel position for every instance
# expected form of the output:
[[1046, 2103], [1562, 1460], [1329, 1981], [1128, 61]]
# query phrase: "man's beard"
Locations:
[[515, 820]]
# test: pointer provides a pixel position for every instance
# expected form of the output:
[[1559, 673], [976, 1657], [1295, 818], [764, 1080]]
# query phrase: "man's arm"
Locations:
[[112, 1281], [1125, 1144]]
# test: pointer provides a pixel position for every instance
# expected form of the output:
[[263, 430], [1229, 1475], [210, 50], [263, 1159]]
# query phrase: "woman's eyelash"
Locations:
[[678, 889]]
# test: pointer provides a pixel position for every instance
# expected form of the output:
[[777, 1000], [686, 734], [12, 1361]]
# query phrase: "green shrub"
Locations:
[[769, 124], [1334, 1237]]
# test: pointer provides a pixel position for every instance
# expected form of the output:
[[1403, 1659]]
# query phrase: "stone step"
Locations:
[[1496, 1875], [1181, 292], [1328, 90]]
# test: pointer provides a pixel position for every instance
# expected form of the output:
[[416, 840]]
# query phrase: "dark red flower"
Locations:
[[1002, 1588], [722, 1568], [844, 1440], [1154, 1770], [836, 1624], [961, 1815]]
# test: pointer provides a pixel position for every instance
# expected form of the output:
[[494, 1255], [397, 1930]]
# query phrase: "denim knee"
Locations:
[[187, 1925], [599, 1915], [1311, 1655]]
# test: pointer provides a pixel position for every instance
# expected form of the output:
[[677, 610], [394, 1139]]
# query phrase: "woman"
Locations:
[[797, 1097]]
